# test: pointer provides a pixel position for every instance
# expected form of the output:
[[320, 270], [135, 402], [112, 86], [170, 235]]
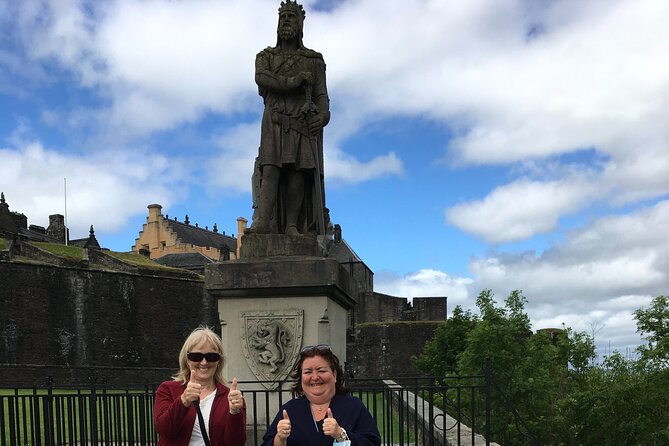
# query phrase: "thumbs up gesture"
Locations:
[[283, 428], [235, 398], [330, 426], [192, 391]]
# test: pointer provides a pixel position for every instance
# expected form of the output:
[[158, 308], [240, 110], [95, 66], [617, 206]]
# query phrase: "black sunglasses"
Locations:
[[198, 357], [315, 348]]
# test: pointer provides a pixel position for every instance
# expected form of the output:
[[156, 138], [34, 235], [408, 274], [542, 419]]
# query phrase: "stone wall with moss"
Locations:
[[385, 349], [72, 315], [57, 319]]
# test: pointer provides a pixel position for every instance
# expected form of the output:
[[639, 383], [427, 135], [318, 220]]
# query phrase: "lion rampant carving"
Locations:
[[272, 338]]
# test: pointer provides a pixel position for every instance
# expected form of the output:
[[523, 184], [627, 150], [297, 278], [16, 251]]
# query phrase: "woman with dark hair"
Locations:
[[321, 410]]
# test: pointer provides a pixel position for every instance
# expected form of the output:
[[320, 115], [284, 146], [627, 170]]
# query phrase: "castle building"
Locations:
[[180, 244], [14, 225]]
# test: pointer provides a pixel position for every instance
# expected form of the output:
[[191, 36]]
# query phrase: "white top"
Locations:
[[196, 438]]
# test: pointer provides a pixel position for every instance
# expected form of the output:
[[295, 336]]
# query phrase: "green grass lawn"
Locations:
[[70, 415], [68, 252], [136, 259], [387, 420], [77, 253]]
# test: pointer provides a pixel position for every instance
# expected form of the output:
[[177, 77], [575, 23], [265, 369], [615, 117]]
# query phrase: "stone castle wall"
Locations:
[[70, 322], [385, 349], [387, 331], [70, 319], [377, 307]]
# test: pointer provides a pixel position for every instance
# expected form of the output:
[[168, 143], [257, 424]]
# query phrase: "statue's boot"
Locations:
[[266, 201], [258, 228], [261, 224], [293, 206]]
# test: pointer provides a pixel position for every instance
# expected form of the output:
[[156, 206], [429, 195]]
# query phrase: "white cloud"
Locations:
[[189, 58], [594, 280], [612, 330], [158, 63], [615, 257], [609, 319], [588, 80], [66, 31], [343, 168], [540, 82], [425, 283], [239, 147], [589, 72], [638, 175], [103, 190], [521, 209]]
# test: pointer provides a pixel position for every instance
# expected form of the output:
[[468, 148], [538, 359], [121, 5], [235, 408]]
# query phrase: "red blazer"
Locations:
[[174, 422]]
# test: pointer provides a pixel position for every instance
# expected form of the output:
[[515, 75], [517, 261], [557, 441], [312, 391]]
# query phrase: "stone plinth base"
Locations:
[[280, 277], [270, 308], [258, 246]]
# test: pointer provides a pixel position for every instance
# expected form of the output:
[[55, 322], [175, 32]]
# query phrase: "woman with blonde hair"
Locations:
[[197, 408]]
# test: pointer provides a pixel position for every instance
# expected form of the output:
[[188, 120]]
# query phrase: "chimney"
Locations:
[[154, 212], [241, 227], [56, 228]]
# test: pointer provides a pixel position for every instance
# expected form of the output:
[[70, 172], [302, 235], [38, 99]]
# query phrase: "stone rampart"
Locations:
[[100, 316], [378, 307], [80, 317], [385, 349]]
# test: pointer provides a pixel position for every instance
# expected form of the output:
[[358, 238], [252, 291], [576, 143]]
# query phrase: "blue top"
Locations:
[[349, 412]]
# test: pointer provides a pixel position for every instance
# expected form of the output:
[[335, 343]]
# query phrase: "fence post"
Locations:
[[487, 373], [93, 411], [13, 420], [49, 422], [431, 416]]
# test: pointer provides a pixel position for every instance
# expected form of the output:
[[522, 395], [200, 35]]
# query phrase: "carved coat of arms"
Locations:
[[271, 341]]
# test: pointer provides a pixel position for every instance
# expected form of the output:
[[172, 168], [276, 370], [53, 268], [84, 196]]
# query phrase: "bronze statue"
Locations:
[[288, 179]]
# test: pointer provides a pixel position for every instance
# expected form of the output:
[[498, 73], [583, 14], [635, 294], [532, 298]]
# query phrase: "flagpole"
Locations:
[[65, 188]]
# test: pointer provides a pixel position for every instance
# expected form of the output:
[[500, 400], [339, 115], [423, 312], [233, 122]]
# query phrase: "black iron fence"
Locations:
[[453, 411]]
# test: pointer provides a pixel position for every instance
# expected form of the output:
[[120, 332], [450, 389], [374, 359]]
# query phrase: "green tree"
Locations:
[[531, 371], [549, 379], [625, 401], [653, 324], [620, 403], [440, 354], [500, 337]]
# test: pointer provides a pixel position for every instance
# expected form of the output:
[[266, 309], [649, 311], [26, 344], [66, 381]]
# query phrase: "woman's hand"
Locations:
[[191, 392], [283, 428], [235, 398], [331, 427]]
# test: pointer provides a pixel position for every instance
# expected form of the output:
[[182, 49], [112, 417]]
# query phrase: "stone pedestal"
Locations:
[[279, 297]]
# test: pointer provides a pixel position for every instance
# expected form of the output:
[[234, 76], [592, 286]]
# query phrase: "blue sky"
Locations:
[[502, 144]]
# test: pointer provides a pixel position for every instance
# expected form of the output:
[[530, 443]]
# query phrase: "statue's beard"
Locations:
[[288, 32]]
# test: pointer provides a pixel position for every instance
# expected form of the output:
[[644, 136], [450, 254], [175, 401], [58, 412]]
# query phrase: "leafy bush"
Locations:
[[548, 378]]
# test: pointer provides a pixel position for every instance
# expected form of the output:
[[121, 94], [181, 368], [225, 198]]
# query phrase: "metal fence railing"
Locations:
[[407, 411]]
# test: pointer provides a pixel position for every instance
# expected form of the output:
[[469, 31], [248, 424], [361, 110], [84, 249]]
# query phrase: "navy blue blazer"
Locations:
[[349, 412]]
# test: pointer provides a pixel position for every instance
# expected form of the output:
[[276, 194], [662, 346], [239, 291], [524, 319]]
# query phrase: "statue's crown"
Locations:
[[293, 6]]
